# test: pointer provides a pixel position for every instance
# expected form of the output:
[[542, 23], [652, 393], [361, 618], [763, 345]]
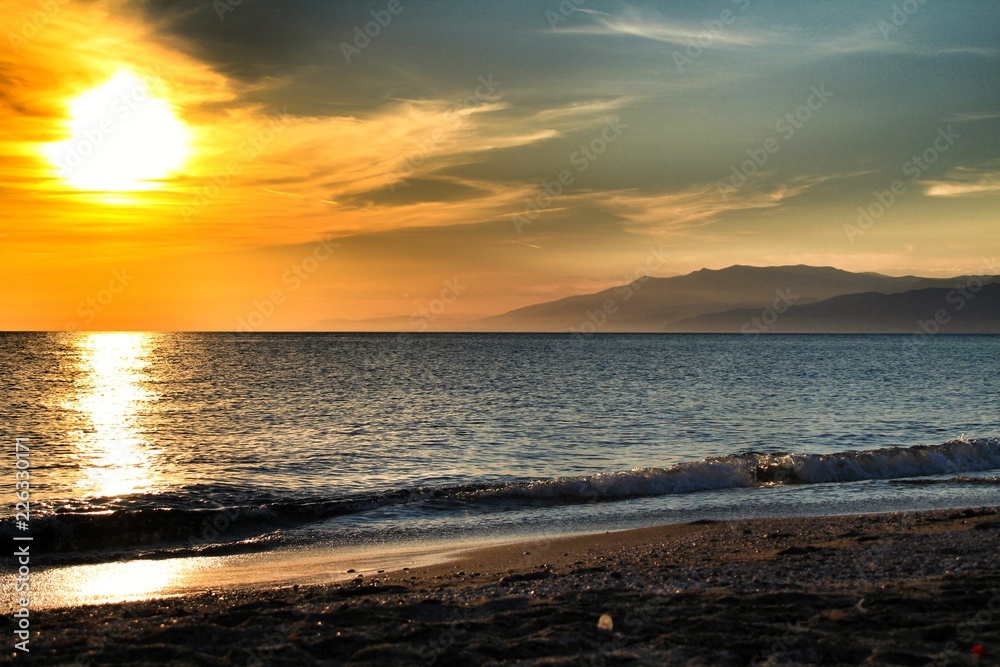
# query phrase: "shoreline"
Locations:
[[904, 588], [58, 585]]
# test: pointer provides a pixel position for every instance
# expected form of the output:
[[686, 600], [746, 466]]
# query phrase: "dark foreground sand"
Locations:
[[910, 589]]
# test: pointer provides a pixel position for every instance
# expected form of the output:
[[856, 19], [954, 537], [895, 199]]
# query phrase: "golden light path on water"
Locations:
[[114, 403], [113, 395]]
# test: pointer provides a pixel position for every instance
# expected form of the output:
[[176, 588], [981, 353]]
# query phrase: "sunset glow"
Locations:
[[512, 332], [122, 137], [528, 156]]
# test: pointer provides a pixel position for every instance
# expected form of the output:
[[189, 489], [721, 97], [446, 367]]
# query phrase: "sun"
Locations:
[[122, 137]]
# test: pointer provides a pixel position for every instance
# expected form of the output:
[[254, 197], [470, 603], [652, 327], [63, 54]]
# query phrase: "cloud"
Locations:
[[577, 115], [651, 26], [869, 38], [61, 58], [416, 191], [678, 212], [963, 182], [779, 39], [972, 116], [858, 39], [397, 153]]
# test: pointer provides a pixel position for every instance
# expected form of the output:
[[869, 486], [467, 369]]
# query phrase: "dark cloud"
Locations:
[[416, 191], [685, 127]]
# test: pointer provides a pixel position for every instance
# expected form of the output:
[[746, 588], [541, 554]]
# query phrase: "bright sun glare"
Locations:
[[114, 399], [121, 137]]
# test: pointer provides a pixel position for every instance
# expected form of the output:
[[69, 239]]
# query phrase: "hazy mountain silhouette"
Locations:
[[934, 310], [676, 304]]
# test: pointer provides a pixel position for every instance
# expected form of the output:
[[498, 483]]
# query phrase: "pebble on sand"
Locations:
[[605, 624]]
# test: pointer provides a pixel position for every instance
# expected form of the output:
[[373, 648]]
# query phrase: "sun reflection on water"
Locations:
[[115, 458]]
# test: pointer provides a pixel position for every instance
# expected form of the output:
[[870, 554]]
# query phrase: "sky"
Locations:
[[179, 165]]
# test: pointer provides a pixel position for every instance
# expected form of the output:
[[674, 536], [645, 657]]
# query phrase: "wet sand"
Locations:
[[907, 588]]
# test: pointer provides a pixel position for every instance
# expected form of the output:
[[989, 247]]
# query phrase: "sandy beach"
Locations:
[[906, 588]]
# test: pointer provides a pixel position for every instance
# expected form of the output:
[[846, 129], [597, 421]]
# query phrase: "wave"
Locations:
[[206, 520], [752, 469]]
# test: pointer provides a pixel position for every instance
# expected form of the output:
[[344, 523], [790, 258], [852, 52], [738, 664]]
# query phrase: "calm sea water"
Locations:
[[159, 444]]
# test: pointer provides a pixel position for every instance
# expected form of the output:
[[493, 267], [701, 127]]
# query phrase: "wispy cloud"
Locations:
[[575, 116], [965, 181], [677, 212], [972, 116], [658, 28], [713, 33], [860, 39], [868, 38]]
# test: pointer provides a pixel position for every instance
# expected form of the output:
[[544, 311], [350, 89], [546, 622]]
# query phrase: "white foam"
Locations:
[[747, 470]]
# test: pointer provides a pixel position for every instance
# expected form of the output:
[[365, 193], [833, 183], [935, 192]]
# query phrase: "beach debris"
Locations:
[[605, 624], [860, 606], [979, 651]]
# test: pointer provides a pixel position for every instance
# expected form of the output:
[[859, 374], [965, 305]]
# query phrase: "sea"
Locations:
[[214, 446]]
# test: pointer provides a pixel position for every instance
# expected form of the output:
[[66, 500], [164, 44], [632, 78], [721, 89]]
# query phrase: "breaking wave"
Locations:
[[754, 469], [207, 520]]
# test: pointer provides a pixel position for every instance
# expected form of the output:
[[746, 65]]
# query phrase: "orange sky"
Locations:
[[302, 191]]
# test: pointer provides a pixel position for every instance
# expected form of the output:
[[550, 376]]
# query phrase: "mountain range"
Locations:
[[750, 299], [788, 299]]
